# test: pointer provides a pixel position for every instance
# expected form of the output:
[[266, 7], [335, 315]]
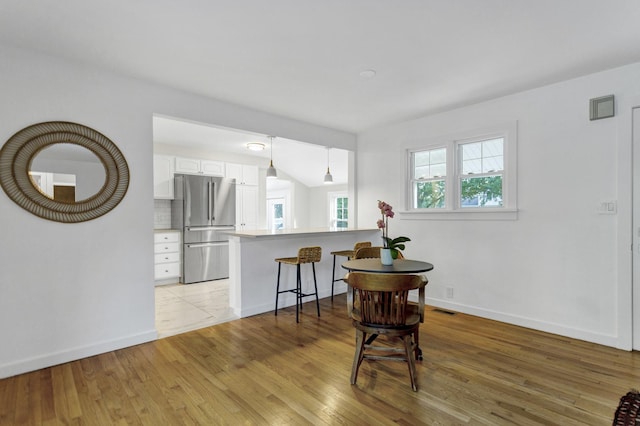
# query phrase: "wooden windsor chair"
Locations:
[[383, 310]]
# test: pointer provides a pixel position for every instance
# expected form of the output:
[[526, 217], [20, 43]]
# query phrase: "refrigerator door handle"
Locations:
[[210, 228], [200, 245], [209, 201], [212, 192]]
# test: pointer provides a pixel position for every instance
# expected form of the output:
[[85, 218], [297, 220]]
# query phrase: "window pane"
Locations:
[[429, 194], [438, 170], [430, 164], [277, 211], [340, 212], [493, 164], [481, 192], [472, 151], [493, 148], [438, 163], [421, 158], [421, 172], [438, 156], [482, 157], [471, 166]]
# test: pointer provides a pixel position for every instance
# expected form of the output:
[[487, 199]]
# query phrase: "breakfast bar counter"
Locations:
[[253, 270]]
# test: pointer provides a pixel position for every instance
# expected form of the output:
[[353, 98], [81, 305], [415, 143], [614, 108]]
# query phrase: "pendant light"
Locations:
[[271, 171], [328, 178]]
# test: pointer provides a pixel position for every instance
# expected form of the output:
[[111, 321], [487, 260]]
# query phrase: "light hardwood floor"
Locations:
[[269, 370]]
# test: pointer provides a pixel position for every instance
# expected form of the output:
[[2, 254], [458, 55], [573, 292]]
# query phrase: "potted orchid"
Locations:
[[394, 245]]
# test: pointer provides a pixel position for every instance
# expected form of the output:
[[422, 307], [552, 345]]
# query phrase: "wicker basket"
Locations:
[[628, 409]]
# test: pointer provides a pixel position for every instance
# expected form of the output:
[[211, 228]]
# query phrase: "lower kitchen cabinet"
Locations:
[[167, 256]]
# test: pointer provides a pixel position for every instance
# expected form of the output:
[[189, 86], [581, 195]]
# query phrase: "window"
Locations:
[[480, 179], [275, 207], [430, 170], [339, 210], [465, 174]]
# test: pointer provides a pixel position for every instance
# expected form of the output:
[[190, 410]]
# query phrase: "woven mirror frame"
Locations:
[[19, 151]]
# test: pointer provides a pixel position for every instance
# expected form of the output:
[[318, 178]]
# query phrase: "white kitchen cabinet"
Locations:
[[163, 170], [246, 194], [167, 256], [243, 174], [246, 207], [187, 165], [212, 168], [196, 166]]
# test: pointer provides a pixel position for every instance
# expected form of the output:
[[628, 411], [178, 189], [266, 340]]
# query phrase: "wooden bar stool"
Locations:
[[305, 255], [349, 254]]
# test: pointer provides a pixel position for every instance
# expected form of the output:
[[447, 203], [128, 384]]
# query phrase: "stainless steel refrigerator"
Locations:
[[204, 209]]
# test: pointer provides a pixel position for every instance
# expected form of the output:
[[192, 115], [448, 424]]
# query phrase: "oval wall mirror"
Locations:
[[67, 172], [69, 154]]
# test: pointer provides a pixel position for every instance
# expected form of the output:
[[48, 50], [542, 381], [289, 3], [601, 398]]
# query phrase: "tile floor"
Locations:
[[181, 308]]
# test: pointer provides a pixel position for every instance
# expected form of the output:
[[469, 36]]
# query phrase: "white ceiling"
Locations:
[[302, 59]]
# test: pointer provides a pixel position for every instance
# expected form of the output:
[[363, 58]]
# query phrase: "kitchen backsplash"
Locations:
[[161, 214]]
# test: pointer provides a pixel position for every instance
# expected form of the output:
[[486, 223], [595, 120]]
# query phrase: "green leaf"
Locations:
[[396, 243], [400, 240]]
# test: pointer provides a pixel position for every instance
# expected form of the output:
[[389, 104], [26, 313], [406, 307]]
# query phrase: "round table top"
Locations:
[[400, 266]]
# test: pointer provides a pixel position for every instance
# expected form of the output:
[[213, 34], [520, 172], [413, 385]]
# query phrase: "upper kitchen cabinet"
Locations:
[[200, 167], [243, 174], [246, 207], [163, 169], [246, 194]]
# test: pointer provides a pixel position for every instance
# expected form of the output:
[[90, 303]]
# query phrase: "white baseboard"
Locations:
[[548, 327], [48, 360]]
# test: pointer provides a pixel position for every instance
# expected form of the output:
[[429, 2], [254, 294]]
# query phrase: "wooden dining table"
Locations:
[[399, 266]]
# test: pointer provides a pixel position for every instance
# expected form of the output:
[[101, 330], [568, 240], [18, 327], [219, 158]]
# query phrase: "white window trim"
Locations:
[[452, 210]]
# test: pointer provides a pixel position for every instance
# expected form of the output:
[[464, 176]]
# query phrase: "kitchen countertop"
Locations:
[[166, 230], [259, 233]]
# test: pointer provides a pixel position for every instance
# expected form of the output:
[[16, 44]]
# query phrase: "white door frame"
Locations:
[[626, 239], [635, 231]]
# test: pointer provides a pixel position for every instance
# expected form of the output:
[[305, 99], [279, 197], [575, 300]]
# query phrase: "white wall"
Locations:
[[555, 268], [319, 208], [74, 290]]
